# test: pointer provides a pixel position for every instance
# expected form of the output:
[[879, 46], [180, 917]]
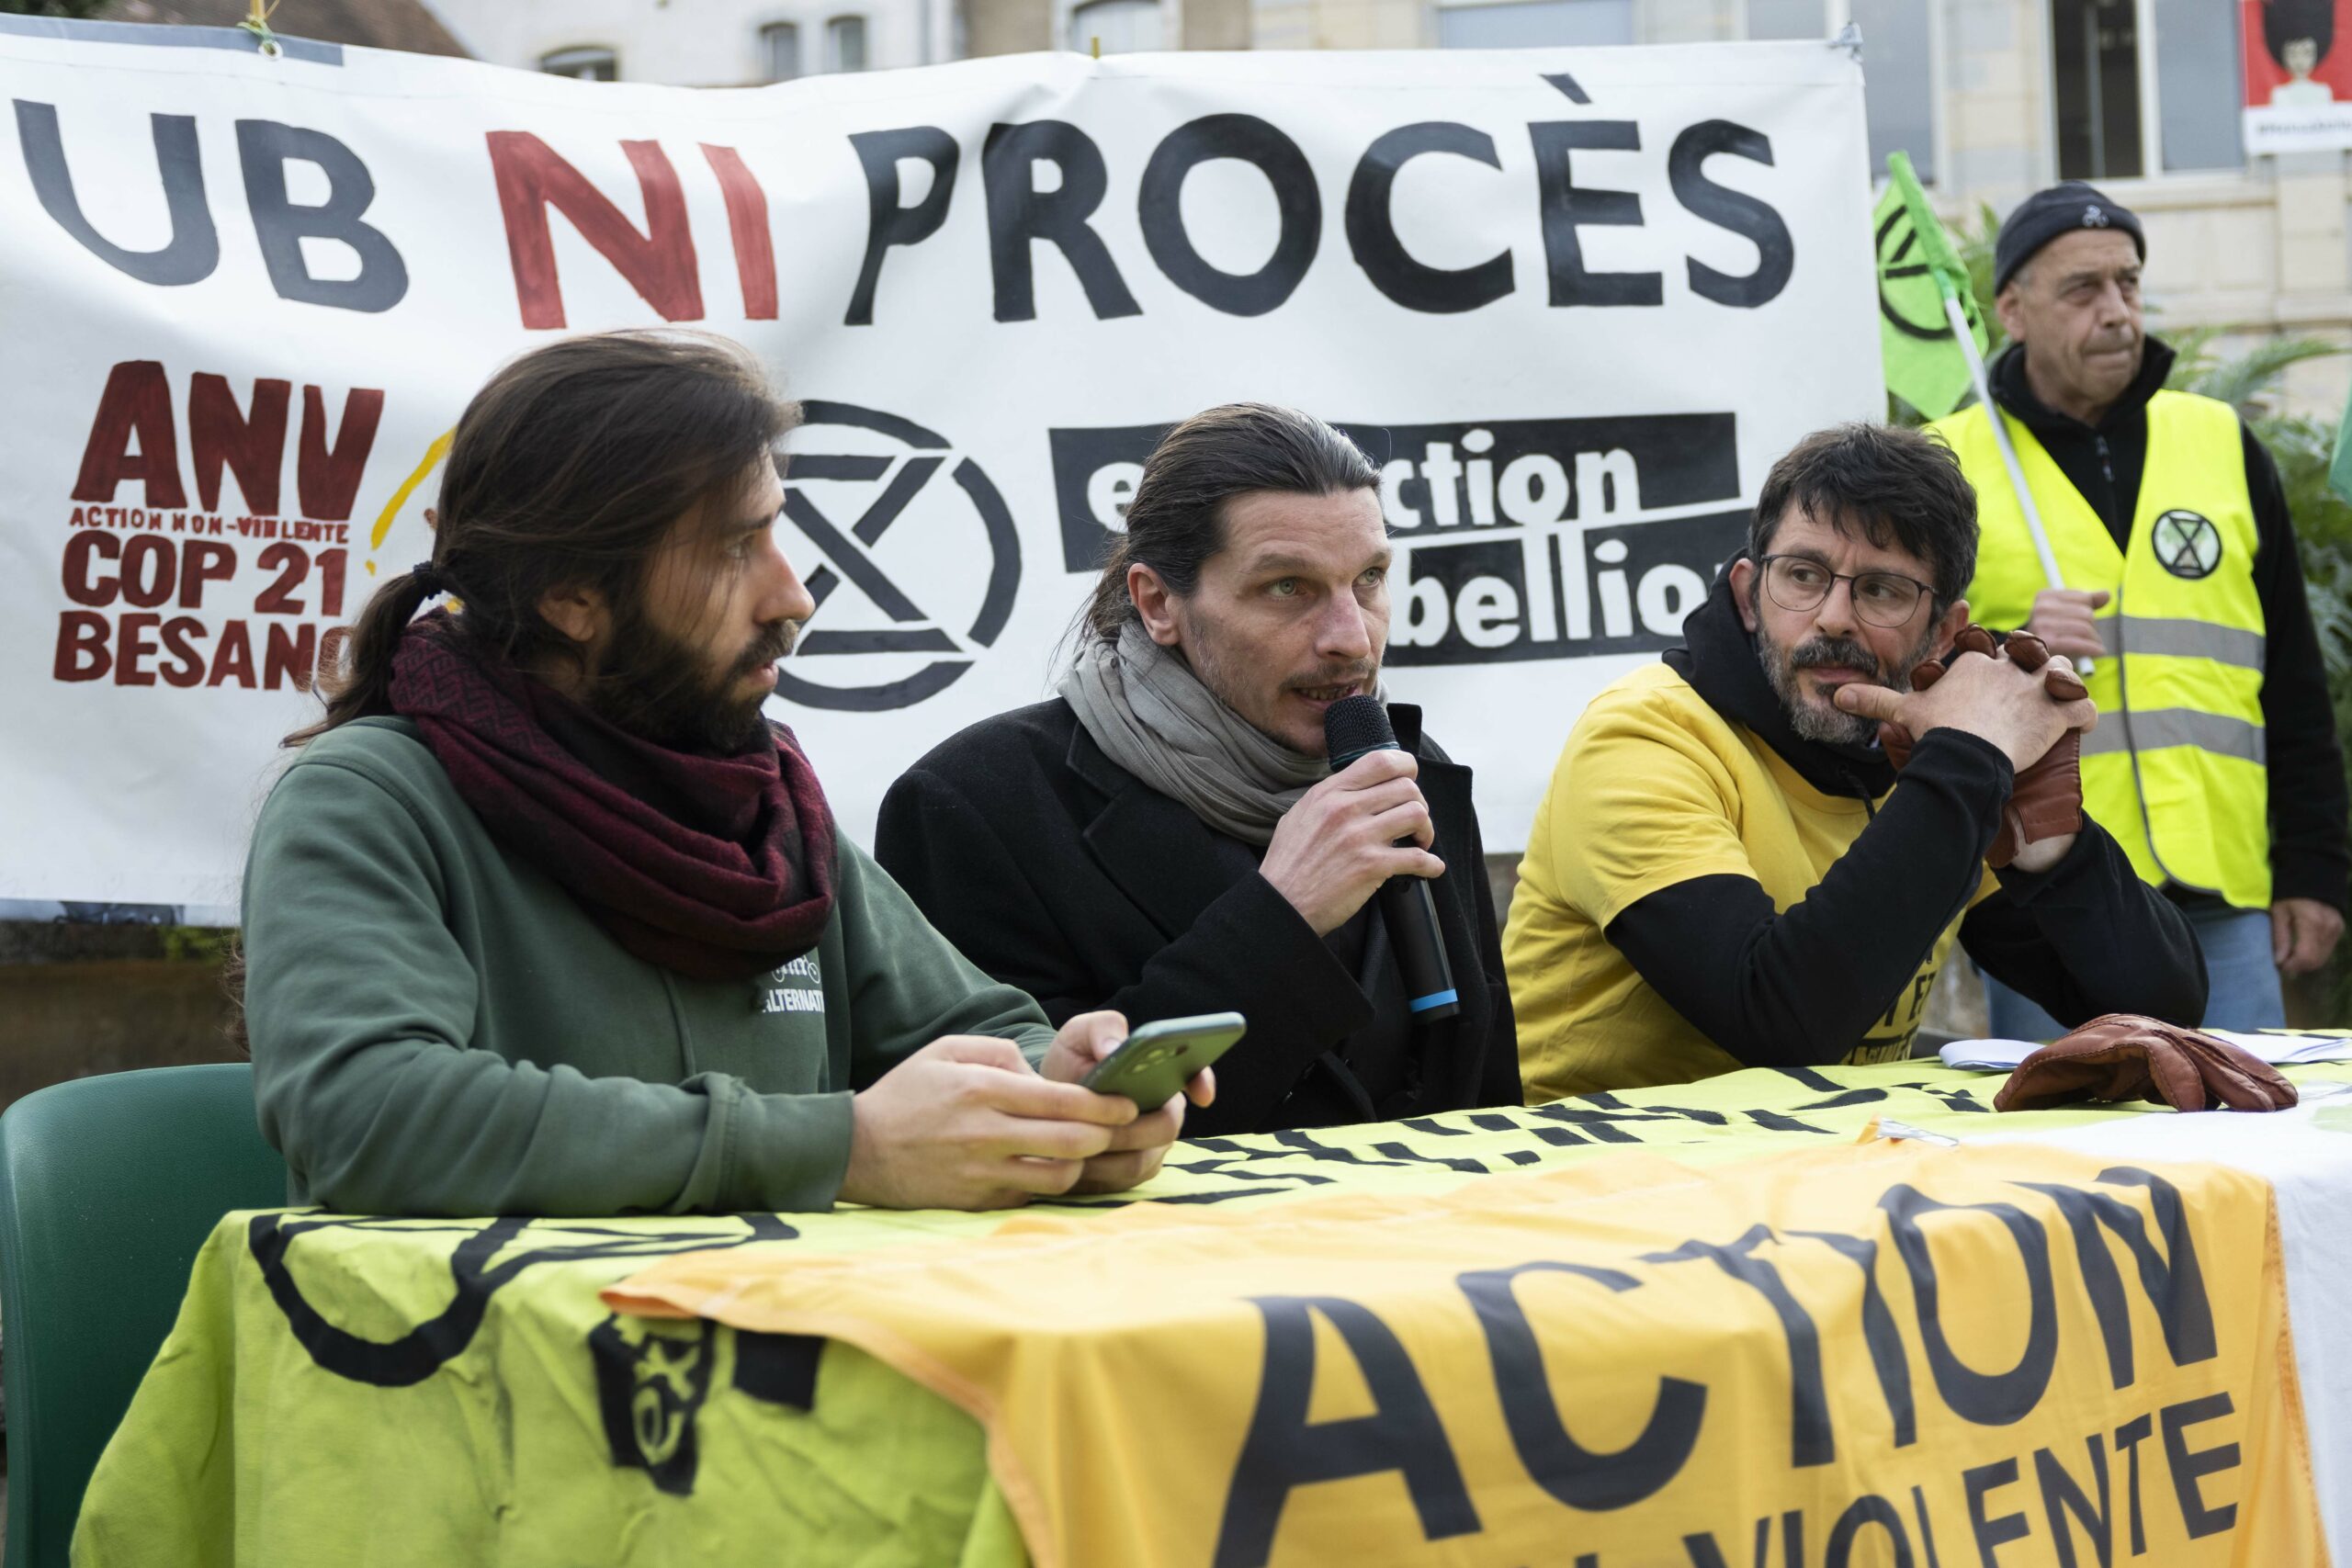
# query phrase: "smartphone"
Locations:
[[1152, 1066]]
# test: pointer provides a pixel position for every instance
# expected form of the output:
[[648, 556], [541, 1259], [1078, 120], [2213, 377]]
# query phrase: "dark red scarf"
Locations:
[[719, 868]]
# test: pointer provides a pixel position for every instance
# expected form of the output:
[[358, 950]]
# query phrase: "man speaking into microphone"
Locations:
[[1168, 835]]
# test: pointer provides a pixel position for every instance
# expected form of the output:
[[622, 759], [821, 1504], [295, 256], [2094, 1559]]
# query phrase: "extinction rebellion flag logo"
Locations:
[[913, 558], [651, 1378]]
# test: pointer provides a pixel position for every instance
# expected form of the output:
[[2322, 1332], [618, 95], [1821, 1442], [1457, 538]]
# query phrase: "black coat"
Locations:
[[1058, 871]]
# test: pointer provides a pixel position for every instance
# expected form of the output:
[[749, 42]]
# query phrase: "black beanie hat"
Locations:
[[2046, 214]]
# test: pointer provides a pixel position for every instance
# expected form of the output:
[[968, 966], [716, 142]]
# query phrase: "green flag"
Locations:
[[1916, 268]]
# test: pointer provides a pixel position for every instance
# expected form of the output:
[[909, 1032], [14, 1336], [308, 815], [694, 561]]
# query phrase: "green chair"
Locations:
[[108, 1186]]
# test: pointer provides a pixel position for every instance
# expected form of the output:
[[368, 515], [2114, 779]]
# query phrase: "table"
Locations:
[[349, 1390]]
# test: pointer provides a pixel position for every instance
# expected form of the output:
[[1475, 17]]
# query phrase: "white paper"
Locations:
[[2280, 1048]]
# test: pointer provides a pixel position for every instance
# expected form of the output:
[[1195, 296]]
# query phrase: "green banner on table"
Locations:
[[351, 1391]]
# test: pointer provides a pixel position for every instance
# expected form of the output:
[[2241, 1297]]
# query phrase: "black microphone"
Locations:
[[1351, 728]]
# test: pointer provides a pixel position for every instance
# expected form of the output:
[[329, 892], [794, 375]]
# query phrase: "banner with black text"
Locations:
[[1573, 302]]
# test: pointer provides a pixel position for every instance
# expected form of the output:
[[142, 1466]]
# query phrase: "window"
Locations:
[[1898, 65], [846, 44], [779, 52], [1787, 19], [2095, 55], [1122, 26], [1536, 24], [1899, 81], [586, 64], [2100, 61], [2197, 84]]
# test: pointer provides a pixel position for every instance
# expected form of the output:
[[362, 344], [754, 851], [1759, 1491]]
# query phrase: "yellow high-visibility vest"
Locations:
[[2175, 768]]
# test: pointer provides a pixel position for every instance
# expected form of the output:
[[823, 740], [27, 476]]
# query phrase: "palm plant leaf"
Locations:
[[2245, 380]]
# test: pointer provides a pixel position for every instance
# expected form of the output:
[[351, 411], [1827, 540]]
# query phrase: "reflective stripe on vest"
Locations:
[[2175, 768], [2181, 727]]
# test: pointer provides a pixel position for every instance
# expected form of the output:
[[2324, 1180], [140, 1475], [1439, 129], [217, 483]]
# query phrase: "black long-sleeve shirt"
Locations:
[[1789, 989], [2308, 857], [1804, 986]]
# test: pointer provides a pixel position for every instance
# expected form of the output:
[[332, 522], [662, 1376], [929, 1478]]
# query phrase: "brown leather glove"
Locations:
[[2046, 799], [2124, 1055]]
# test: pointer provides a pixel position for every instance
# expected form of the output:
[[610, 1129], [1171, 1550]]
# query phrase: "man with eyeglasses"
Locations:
[[1725, 871]]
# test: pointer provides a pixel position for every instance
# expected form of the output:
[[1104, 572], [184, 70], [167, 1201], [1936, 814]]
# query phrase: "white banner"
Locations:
[[1575, 302]]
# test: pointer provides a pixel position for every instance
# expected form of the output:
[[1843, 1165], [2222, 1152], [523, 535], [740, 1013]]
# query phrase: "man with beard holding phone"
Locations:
[[545, 918], [1728, 870], [1165, 836]]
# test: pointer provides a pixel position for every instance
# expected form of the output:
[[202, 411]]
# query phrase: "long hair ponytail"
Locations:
[[363, 685], [568, 468]]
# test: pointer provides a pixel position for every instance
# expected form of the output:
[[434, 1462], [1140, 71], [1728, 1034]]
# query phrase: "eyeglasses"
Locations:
[[1884, 599]]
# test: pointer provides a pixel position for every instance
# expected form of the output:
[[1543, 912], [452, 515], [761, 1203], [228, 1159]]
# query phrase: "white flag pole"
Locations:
[[1959, 330]]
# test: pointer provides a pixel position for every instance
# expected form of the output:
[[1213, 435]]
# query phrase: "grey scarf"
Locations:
[[1153, 715]]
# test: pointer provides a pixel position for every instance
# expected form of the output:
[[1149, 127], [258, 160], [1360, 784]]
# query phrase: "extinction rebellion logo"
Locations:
[[908, 548], [1907, 296], [651, 1378], [2187, 544]]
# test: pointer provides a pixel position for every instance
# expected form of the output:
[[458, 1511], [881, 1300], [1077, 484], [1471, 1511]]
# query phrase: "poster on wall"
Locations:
[[1573, 302], [2298, 74]]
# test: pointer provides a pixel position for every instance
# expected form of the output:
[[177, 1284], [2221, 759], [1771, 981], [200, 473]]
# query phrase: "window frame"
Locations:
[[2152, 111], [762, 35], [1742, 28], [1838, 15], [586, 53], [1636, 14], [1160, 11], [1171, 23], [865, 43]]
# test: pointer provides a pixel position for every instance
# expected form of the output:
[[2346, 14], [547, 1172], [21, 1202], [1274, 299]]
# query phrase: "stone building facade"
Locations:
[[705, 43], [1992, 99]]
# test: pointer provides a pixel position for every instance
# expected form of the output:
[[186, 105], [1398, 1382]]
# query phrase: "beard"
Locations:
[[658, 689], [1241, 688], [1812, 719]]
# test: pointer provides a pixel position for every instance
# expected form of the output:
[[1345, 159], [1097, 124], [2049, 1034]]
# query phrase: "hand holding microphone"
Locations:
[[1363, 831], [1349, 834]]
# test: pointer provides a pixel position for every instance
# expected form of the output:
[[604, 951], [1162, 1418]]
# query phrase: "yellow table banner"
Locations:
[[1889, 1354]]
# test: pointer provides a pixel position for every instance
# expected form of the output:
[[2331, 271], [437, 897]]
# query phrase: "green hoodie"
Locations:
[[438, 1028]]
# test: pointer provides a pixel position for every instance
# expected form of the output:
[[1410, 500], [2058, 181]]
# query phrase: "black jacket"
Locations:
[[2309, 858], [1803, 988], [1058, 871]]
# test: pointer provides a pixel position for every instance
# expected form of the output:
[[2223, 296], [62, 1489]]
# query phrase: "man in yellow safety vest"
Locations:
[[2215, 763]]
